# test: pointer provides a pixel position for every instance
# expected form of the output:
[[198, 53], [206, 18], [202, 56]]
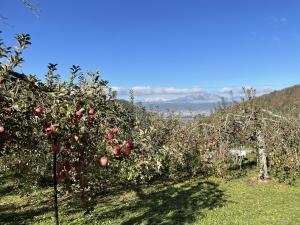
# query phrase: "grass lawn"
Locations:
[[195, 201]]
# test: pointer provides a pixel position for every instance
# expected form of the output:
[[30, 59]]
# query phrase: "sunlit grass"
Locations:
[[195, 201]]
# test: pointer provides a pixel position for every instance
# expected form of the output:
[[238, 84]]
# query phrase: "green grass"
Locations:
[[196, 201]]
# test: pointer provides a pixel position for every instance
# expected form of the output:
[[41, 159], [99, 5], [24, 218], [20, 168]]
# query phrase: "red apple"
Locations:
[[79, 114], [117, 150], [50, 129], [109, 136], [2, 80], [91, 118], [91, 111], [38, 111], [7, 110], [127, 151], [115, 130], [55, 148], [103, 161], [2, 129], [128, 147], [74, 120]]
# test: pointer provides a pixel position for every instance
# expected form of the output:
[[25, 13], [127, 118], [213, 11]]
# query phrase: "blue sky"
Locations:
[[158, 44]]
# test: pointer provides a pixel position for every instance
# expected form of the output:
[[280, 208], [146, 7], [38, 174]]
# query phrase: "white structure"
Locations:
[[240, 152]]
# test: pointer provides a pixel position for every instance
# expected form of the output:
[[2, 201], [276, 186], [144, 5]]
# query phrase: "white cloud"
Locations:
[[155, 99], [225, 90], [121, 91], [264, 90], [147, 90], [117, 89]]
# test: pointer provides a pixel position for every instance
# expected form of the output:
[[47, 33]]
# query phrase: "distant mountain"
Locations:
[[202, 103], [199, 98], [182, 107]]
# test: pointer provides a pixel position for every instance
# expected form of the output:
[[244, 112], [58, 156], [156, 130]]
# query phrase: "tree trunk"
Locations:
[[55, 191], [262, 158]]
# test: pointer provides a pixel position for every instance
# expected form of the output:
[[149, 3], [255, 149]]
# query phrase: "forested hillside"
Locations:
[[285, 101]]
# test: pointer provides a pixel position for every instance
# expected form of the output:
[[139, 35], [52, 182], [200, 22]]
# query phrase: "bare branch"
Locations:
[[33, 7]]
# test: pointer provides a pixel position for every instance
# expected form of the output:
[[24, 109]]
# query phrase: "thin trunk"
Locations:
[[263, 169], [55, 191]]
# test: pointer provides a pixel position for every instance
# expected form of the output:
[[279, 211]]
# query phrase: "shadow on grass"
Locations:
[[22, 217], [23, 213], [180, 204], [6, 190], [249, 164]]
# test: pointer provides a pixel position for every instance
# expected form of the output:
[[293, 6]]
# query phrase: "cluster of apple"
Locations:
[[79, 114], [74, 165], [113, 143], [63, 169]]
